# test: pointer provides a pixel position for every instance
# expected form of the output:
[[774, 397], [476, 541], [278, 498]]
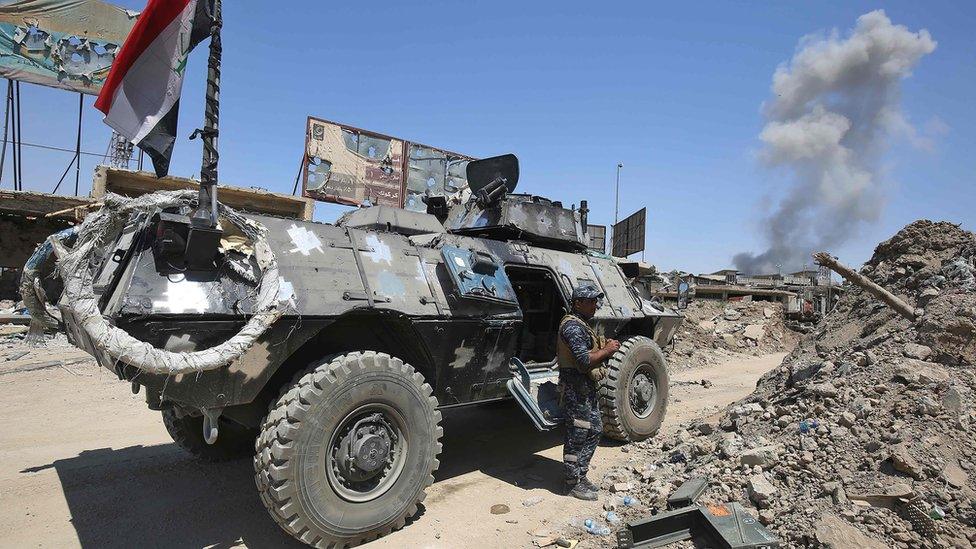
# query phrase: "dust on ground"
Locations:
[[85, 463]]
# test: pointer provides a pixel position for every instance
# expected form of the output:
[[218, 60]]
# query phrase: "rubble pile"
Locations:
[[864, 435], [715, 331]]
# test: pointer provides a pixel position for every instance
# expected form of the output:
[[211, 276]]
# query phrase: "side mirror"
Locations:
[[684, 295]]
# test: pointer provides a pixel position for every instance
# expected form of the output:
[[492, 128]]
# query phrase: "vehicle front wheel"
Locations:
[[634, 394], [348, 451]]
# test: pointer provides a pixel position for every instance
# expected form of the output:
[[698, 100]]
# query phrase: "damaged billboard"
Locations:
[[347, 165], [68, 44]]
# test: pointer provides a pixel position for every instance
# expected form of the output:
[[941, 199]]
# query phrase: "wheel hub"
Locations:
[[366, 456], [371, 451], [643, 394]]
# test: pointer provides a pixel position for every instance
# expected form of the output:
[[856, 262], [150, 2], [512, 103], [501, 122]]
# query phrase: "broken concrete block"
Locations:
[[762, 456], [754, 332], [918, 371], [847, 419], [836, 533], [761, 491], [903, 461], [952, 400], [825, 389], [621, 487], [767, 312], [914, 350]]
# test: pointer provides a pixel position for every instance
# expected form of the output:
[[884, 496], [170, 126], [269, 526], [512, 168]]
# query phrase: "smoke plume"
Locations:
[[834, 106]]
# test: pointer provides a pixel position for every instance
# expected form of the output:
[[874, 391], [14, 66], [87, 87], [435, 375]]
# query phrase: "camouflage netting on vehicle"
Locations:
[[75, 266]]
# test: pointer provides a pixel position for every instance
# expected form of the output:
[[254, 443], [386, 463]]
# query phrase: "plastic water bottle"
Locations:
[[612, 517], [630, 501], [598, 530], [588, 523]]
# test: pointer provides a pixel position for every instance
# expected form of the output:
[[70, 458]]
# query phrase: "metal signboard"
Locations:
[[348, 165], [628, 234], [68, 44], [598, 238]]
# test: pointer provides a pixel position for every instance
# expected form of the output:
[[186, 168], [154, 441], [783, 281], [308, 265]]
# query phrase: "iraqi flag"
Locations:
[[141, 95]]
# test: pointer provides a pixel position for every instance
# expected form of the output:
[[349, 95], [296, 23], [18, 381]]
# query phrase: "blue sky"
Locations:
[[671, 91]]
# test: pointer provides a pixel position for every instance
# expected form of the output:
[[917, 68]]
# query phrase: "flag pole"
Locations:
[[206, 214], [203, 238]]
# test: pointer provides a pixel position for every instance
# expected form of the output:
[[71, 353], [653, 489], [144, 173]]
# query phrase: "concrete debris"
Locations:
[[715, 331], [868, 403]]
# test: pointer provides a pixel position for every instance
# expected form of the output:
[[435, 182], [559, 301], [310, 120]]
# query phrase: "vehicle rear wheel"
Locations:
[[634, 394], [234, 441], [346, 454]]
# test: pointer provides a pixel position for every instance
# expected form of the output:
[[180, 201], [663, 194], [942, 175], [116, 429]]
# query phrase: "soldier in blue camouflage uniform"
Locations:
[[581, 355]]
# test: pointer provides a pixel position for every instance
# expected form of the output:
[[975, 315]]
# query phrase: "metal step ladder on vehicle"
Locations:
[[537, 393]]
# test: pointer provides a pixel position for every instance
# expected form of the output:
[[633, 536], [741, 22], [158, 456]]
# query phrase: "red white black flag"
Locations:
[[141, 96]]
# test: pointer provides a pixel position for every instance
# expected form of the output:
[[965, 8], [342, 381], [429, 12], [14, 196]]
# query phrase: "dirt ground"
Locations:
[[83, 462]]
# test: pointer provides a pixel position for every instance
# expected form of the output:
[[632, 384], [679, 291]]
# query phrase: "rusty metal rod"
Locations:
[[902, 308]]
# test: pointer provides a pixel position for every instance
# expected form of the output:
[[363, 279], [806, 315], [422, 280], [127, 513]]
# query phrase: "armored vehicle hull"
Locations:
[[383, 326]]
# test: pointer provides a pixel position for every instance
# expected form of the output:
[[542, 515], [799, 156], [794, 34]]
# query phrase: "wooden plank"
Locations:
[[132, 183], [34, 204]]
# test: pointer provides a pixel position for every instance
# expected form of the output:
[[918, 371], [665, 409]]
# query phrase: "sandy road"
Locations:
[[84, 463]]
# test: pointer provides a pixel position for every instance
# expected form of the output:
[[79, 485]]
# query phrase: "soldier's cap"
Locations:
[[586, 291]]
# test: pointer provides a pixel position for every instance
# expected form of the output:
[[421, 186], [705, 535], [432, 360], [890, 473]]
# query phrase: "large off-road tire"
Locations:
[[326, 433], [234, 441], [634, 394]]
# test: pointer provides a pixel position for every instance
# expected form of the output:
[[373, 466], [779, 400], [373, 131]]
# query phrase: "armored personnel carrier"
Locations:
[[392, 316]]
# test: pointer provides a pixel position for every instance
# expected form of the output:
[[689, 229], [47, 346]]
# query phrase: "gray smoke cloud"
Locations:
[[834, 107]]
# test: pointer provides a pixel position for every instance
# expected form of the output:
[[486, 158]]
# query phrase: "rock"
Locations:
[[836, 492], [621, 487], [952, 400], [927, 405], [955, 476], [802, 372], [499, 509], [825, 390], [762, 456], [746, 409], [730, 340], [767, 312], [847, 419], [706, 428], [707, 325], [534, 500], [731, 315], [761, 491], [918, 371], [903, 461], [914, 350], [754, 332], [835, 533]]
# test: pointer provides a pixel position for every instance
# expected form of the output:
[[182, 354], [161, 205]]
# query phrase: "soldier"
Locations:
[[581, 355]]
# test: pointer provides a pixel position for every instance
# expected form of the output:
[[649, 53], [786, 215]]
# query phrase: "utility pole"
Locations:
[[616, 210]]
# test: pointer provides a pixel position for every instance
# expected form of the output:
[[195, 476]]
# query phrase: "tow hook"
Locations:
[[210, 423]]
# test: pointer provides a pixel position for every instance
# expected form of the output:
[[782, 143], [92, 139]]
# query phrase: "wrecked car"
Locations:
[[386, 318]]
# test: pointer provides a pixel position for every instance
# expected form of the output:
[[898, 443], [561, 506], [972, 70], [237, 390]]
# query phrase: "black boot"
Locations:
[[589, 485], [581, 490]]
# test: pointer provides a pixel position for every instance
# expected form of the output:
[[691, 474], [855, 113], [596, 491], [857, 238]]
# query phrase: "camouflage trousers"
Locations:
[[583, 423]]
